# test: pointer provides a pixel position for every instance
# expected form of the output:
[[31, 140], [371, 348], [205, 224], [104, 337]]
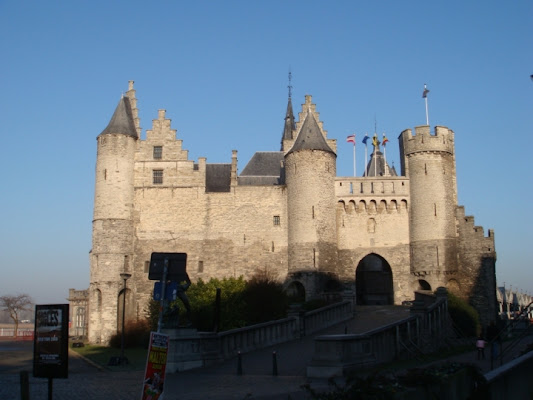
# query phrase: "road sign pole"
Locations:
[[162, 302]]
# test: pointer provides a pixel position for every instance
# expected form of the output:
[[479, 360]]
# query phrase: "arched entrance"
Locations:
[[373, 281], [296, 292], [423, 285], [129, 313]]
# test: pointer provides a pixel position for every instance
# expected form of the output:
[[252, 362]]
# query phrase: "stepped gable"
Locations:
[[122, 120], [217, 177], [310, 137], [264, 168]]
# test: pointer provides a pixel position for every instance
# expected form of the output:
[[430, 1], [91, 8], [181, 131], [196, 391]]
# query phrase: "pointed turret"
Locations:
[[310, 137], [290, 124], [377, 166], [122, 120], [113, 226]]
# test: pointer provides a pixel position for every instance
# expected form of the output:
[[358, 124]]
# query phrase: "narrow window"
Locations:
[[371, 187], [158, 152], [351, 188], [313, 211], [425, 169], [146, 267], [272, 247], [158, 176], [200, 266], [277, 220], [361, 187], [105, 174], [435, 208]]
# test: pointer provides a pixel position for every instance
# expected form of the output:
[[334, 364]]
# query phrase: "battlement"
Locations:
[[424, 141], [388, 186], [467, 228]]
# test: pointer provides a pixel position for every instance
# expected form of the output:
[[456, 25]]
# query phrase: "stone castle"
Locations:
[[382, 235]]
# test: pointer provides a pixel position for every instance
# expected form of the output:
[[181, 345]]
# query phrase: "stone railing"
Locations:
[[423, 331], [257, 336], [192, 349], [316, 320]]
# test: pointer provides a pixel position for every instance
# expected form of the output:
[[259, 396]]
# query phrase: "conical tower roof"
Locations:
[[290, 124], [122, 120], [310, 137], [377, 166]]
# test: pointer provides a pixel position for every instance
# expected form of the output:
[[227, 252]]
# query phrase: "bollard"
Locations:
[[239, 363], [274, 364], [24, 385]]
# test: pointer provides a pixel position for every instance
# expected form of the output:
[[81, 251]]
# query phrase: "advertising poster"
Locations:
[[156, 364], [50, 343]]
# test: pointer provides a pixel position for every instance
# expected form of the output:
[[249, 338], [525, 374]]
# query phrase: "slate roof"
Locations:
[[122, 120], [310, 137], [377, 166], [264, 168], [217, 177]]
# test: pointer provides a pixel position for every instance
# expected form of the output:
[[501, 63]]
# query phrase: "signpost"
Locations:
[[50, 343]]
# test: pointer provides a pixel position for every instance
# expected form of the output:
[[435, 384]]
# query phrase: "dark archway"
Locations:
[[423, 285], [373, 281], [296, 292]]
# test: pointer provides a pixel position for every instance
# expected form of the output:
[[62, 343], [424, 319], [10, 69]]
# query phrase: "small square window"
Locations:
[[158, 152], [277, 220], [158, 176]]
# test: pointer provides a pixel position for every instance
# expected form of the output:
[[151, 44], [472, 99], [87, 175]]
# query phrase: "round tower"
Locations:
[[113, 233], [310, 168], [429, 163]]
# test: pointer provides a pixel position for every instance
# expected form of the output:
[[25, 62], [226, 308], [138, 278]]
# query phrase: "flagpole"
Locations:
[[366, 157], [354, 171], [384, 156], [425, 95], [374, 156]]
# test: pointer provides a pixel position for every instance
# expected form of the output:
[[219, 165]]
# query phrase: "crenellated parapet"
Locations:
[[476, 235], [423, 140]]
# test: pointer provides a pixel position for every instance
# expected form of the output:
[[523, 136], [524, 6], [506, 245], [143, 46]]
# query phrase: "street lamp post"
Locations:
[[123, 359]]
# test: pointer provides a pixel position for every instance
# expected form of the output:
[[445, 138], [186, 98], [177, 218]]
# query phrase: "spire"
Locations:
[[310, 136], [290, 124], [377, 166], [122, 120]]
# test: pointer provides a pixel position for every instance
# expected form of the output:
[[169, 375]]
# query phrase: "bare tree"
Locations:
[[14, 305]]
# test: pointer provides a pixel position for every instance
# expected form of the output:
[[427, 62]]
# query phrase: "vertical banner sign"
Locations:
[[156, 364], [50, 343]]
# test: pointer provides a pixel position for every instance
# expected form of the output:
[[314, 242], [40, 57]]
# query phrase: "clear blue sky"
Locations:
[[220, 70]]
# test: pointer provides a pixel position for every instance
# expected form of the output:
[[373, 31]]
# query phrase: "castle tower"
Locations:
[[310, 168], [429, 163], [113, 229]]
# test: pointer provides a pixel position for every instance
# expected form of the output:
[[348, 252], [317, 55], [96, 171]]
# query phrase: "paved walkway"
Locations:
[[219, 382]]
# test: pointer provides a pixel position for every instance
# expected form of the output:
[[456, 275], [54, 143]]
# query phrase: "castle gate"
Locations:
[[373, 281]]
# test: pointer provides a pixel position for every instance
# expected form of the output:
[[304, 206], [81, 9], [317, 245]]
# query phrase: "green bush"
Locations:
[[463, 315], [265, 299], [242, 303], [202, 296]]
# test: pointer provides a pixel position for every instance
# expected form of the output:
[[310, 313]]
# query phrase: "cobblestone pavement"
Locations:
[[218, 382]]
